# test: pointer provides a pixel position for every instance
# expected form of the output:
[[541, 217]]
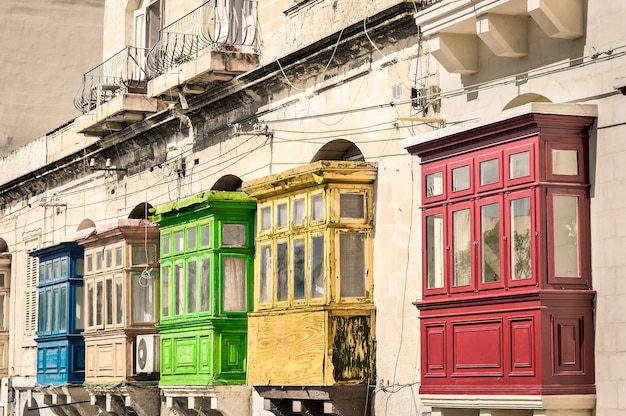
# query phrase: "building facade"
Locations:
[[437, 187]]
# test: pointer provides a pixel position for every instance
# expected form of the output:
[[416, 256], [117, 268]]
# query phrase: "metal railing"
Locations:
[[123, 72], [222, 25]]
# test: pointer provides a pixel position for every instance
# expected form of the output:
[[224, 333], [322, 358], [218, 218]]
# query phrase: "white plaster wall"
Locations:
[[46, 48]]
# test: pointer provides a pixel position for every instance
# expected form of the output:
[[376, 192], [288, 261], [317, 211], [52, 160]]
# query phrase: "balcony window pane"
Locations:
[[99, 302], [48, 310], [165, 290], [143, 254], [179, 289], [143, 297], [57, 269], [89, 263], [317, 207], [490, 242], [564, 162], [352, 264], [298, 269], [234, 235], [318, 285], [266, 218], [434, 184], [191, 239], [205, 235], [352, 205], [461, 241], [99, 260], [90, 306], [118, 256], [282, 284], [281, 215], [489, 171], [519, 165], [178, 241], [520, 239], [298, 211], [49, 271], [55, 310], [119, 299], [63, 267], [80, 267], [62, 309], [165, 244], [191, 287], [3, 325], [79, 316], [204, 285], [109, 301], [42, 272], [234, 274], [434, 251], [565, 220], [41, 315], [460, 178], [108, 258], [265, 274]]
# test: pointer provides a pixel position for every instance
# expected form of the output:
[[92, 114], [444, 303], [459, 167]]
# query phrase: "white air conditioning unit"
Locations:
[[147, 354]]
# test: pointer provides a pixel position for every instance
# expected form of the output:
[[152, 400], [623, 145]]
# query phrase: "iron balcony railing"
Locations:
[[123, 72], [222, 25]]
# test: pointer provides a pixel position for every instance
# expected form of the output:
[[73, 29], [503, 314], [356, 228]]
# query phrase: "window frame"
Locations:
[[499, 284], [478, 159], [449, 246], [457, 163], [532, 194], [430, 170], [524, 146], [580, 177], [445, 267]]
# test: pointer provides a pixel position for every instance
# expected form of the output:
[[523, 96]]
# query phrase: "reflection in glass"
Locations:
[[234, 297], [461, 242], [191, 286], [204, 285], [298, 269], [282, 283], [490, 242], [317, 207], [165, 290], [460, 178], [352, 264], [520, 239], [434, 184], [565, 222], [519, 165], [298, 211], [318, 287], [434, 251], [489, 172], [265, 274]]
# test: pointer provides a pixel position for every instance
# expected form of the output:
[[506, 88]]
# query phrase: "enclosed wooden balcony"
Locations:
[[209, 45], [113, 94]]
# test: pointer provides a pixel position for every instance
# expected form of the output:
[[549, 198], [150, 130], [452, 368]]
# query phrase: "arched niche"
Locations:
[[141, 211], [227, 183], [86, 223], [4, 247], [525, 99], [339, 149]]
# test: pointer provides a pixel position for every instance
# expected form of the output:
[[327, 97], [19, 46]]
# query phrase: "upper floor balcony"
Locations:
[[209, 45]]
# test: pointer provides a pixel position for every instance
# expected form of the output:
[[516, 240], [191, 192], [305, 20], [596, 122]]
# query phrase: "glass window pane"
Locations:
[[317, 207], [352, 264], [298, 211], [119, 300], [204, 285], [165, 244], [461, 245], [80, 267], [55, 310], [318, 285], [564, 162], [352, 205], [234, 235], [90, 306], [143, 254], [118, 256], [63, 267], [79, 316], [99, 260], [205, 235], [57, 269], [519, 165], [179, 289], [178, 241], [266, 218], [282, 284], [434, 184], [520, 239], [48, 310], [489, 171], [234, 296], [191, 287], [62, 308], [265, 274], [99, 302], [2, 322], [109, 298], [490, 242], [191, 239], [42, 308], [298, 269], [108, 258], [565, 220], [143, 297], [89, 263], [460, 178], [281, 215], [49, 271], [42, 272], [2, 279], [165, 290], [434, 251]]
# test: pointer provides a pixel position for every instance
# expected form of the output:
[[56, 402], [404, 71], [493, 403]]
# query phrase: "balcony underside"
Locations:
[[200, 74], [116, 114]]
